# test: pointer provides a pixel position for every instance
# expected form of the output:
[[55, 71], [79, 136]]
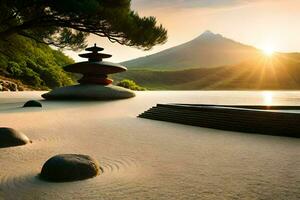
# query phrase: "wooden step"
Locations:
[[250, 119]]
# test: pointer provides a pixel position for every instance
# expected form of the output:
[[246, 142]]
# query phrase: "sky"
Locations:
[[267, 24]]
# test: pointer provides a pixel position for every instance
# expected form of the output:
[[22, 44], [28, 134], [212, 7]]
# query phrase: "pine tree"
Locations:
[[67, 23]]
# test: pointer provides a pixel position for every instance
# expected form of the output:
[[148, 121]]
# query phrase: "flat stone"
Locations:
[[89, 92], [70, 167], [101, 67], [10, 137], [32, 103], [95, 56], [94, 48], [98, 79]]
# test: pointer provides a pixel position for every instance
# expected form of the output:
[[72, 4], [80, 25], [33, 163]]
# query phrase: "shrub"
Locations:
[[130, 84], [31, 77], [32, 65], [14, 69]]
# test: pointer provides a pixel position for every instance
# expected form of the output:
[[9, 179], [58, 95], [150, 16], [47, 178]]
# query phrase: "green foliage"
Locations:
[[130, 84], [14, 69], [30, 77], [67, 23], [34, 64]]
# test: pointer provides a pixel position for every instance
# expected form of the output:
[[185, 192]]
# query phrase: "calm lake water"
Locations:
[[256, 97], [205, 97], [269, 98]]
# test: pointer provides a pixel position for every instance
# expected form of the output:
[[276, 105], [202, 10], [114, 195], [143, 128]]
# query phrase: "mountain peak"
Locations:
[[207, 32], [207, 50], [208, 35]]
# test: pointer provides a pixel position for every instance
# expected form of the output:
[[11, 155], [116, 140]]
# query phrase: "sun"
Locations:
[[268, 50], [267, 98]]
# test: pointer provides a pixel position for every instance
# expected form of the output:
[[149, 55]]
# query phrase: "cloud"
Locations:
[[189, 3]]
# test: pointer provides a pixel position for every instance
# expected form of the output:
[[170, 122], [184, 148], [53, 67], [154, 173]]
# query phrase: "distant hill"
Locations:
[[206, 51], [279, 72]]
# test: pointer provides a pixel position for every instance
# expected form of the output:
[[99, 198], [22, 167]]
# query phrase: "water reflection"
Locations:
[[267, 98]]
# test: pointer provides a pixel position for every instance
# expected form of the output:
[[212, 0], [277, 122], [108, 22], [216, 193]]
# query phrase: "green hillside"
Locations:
[[282, 71], [33, 63]]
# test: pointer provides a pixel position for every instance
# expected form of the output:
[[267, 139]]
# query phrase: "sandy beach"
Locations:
[[146, 159]]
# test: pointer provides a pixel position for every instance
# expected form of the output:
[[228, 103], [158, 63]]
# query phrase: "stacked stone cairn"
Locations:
[[94, 84]]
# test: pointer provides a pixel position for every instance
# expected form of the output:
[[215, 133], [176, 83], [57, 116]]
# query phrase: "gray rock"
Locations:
[[89, 92], [32, 103], [10, 137], [5, 89], [70, 167], [20, 88], [8, 86], [12, 86]]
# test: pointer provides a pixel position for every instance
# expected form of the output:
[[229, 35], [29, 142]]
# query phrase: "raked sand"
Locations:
[[145, 159]]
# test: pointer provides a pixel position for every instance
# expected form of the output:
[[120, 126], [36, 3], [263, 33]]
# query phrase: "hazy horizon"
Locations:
[[262, 24]]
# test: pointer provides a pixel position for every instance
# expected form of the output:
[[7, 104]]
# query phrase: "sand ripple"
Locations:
[[110, 165], [114, 171], [145, 159]]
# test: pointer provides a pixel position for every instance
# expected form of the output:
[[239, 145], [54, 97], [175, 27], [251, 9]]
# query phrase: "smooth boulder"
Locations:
[[89, 92], [10, 137], [70, 167], [32, 103]]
